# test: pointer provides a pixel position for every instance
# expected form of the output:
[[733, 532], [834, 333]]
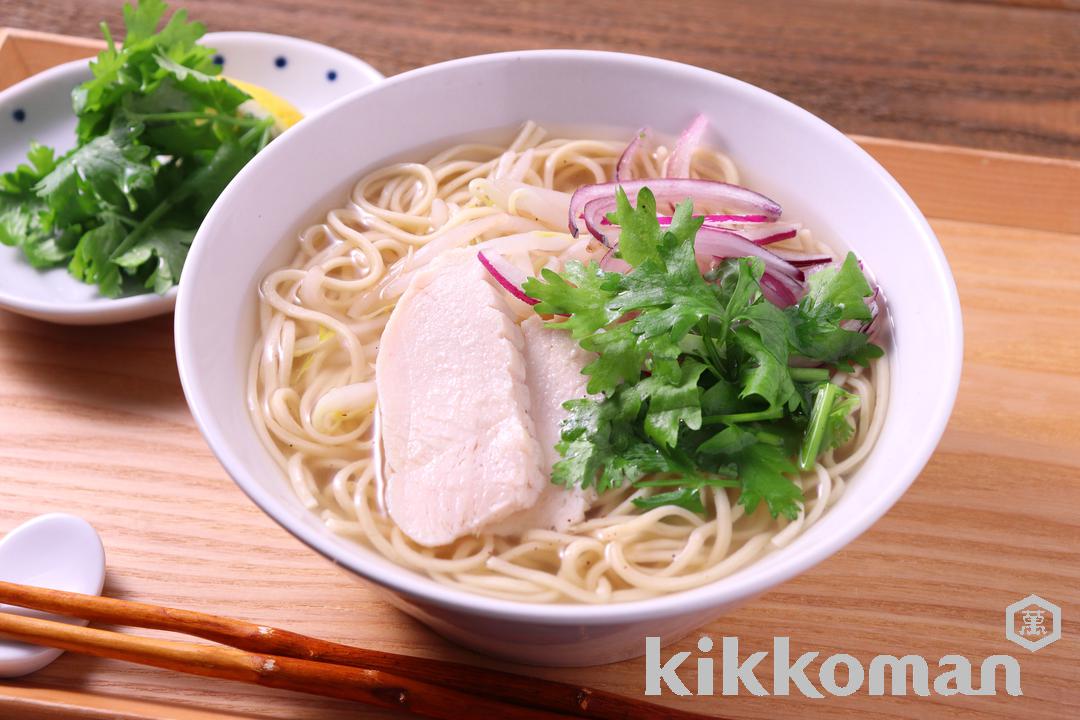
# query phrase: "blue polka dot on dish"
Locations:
[[331, 75], [280, 61], [18, 115]]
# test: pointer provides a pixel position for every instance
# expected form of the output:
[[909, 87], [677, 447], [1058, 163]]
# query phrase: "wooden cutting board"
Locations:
[[93, 422]]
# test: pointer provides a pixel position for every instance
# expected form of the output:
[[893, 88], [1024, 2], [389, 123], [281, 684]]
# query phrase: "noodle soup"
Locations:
[[345, 422]]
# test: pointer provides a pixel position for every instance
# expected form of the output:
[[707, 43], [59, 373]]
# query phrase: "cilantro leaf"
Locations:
[[684, 497], [141, 20], [730, 441], [26, 222], [670, 406], [692, 381], [211, 91], [620, 355], [208, 180], [592, 432], [158, 135], [580, 292], [167, 248], [643, 459], [639, 235], [772, 326], [601, 447], [737, 282], [839, 427], [763, 471], [110, 166], [670, 281], [835, 295], [766, 375], [829, 425], [21, 180], [668, 293], [721, 398], [841, 288], [134, 68], [688, 480], [90, 262]]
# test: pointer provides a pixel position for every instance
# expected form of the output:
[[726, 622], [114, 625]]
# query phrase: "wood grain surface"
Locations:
[[1001, 76], [93, 422]]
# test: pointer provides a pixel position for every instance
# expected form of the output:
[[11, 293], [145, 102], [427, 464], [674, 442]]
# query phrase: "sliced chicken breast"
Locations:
[[459, 444], [553, 363]]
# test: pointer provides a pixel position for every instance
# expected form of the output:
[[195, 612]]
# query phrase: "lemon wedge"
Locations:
[[264, 103]]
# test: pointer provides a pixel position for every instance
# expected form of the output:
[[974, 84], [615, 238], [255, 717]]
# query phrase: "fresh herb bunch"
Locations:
[[693, 372], [158, 139]]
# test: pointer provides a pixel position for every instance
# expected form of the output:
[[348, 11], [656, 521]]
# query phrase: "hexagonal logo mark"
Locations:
[[1033, 623]]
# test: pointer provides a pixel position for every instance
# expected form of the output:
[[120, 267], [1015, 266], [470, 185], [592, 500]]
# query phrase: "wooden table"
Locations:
[[93, 420], [996, 74]]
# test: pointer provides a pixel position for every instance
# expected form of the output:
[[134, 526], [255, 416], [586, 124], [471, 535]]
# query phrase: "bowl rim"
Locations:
[[414, 586], [345, 59]]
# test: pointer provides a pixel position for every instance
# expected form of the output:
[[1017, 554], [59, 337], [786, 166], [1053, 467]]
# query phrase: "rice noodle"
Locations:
[[311, 378]]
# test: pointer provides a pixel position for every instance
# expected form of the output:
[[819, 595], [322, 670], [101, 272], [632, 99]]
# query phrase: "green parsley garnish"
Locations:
[[158, 139], [693, 372]]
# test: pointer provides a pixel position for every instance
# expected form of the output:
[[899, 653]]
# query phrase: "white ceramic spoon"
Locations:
[[57, 551], [307, 74]]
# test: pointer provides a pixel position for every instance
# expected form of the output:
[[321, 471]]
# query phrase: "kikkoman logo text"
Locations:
[[905, 674]]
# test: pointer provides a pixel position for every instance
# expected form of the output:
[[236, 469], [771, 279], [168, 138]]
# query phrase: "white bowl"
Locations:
[[39, 108], [817, 174]]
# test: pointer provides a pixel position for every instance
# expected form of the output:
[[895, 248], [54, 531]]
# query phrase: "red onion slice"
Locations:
[[765, 233], [665, 220], [870, 328], [594, 202], [867, 327], [781, 283], [777, 291], [678, 165], [590, 220], [785, 284], [801, 260], [610, 263], [506, 274], [755, 228], [626, 160], [717, 242]]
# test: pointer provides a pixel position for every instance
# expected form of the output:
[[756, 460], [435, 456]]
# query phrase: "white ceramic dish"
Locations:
[[307, 74], [815, 172]]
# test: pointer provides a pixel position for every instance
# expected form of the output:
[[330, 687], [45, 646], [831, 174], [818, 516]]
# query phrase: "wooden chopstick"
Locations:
[[372, 687], [270, 643]]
